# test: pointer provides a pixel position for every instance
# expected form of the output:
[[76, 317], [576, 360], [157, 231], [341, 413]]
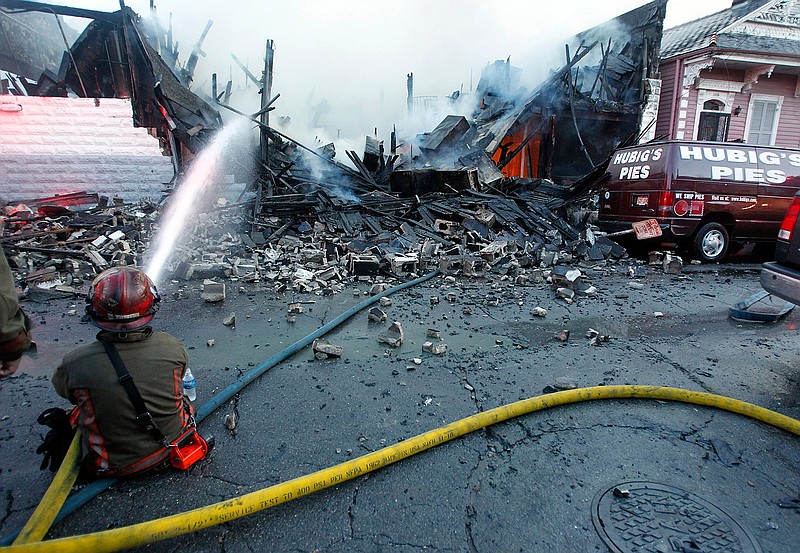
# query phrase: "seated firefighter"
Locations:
[[15, 338], [127, 386]]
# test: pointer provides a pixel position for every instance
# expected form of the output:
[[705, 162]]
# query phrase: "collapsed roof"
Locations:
[[572, 121]]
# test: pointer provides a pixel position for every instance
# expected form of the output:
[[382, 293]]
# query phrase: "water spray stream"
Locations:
[[201, 177]]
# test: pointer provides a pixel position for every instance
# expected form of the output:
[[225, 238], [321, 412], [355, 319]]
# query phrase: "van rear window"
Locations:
[[735, 163]]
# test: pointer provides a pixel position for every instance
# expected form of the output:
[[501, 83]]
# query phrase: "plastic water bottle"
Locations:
[[189, 385]]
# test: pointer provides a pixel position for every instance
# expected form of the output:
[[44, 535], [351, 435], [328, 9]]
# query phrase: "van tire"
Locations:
[[711, 243]]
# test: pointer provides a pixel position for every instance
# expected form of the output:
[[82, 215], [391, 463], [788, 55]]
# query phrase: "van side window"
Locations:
[[713, 125]]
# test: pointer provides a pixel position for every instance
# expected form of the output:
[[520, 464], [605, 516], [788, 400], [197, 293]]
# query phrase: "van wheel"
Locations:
[[711, 242]]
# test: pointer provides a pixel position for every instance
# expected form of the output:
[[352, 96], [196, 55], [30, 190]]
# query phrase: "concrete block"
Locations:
[[451, 264], [362, 265], [213, 291], [562, 335], [656, 258], [565, 383], [494, 251], [672, 264], [565, 294], [378, 288], [303, 274], [475, 267], [564, 276], [435, 349], [444, 226], [405, 264], [585, 289], [327, 274]]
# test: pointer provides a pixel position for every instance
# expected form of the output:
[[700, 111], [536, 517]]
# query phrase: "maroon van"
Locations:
[[704, 194]]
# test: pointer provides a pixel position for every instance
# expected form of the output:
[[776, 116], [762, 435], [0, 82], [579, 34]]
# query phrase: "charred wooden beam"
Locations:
[[362, 169], [197, 51], [271, 132], [247, 72], [344, 168], [267, 107]]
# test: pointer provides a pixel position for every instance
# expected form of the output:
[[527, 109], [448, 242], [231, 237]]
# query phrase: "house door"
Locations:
[[762, 122], [713, 124]]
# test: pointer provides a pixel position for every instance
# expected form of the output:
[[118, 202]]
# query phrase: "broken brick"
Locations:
[[377, 315], [393, 336], [326, 348]]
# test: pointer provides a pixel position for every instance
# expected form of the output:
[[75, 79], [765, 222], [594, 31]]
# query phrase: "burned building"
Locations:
[[60, 96], [573, 120]]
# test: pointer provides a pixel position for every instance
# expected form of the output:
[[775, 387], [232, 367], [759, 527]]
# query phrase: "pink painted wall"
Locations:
[[666, 100], [777, 85], [789, 122]]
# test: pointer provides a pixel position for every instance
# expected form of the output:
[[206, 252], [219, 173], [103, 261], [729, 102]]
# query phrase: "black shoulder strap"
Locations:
[[125, 378]]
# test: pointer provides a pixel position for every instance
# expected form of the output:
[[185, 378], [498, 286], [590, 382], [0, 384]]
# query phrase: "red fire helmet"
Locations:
[[122, 299]]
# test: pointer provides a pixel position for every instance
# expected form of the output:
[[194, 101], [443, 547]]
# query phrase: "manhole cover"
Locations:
[[639, 517]]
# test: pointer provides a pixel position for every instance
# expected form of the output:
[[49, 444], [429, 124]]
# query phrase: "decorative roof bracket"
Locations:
[[692, 72], [752, 75]]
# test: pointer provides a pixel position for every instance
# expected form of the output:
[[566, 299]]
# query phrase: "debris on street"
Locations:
[[516, 202], [393, 336], [323, 349], [213, 291]]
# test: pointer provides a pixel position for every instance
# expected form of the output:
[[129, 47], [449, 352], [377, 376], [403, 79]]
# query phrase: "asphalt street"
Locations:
[[541, 482]]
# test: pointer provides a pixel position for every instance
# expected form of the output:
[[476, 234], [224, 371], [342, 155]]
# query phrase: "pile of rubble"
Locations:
[[311, 242], [316, 243], [58, 244]]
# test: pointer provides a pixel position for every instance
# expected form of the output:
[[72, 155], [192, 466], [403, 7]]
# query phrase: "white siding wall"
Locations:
[[63, 145]]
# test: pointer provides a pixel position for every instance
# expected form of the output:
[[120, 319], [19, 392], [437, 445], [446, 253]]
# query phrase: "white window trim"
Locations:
[[764, 98], [722, 86], [704, 96]]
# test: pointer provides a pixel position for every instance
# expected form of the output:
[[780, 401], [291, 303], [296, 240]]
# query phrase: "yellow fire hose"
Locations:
[[217, 513]]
